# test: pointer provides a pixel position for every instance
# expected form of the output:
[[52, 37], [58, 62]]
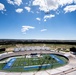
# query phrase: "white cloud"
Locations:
[[48, 16], [38, 19], [18, 2], [64, 2], [26, 28], [15, 2], [70, 8], [46, 5], [43, 30], [10, 2], [44, 20], [2, 7], [51, 5], [28, 9], [19, 10]]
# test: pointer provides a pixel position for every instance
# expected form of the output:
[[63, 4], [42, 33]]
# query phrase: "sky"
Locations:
[[38, 19]]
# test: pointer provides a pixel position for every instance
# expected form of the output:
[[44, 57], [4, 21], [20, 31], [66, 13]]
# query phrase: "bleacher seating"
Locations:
[[27, 48]]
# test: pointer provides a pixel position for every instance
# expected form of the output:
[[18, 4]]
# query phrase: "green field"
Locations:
[[22, 62]]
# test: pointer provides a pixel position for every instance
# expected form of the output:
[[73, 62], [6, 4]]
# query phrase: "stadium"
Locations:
[[36, 60]]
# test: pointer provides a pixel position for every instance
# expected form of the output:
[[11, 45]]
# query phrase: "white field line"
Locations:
[[36, 65]]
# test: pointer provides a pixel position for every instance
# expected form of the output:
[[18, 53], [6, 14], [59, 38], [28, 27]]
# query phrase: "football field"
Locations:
[[23, 64]]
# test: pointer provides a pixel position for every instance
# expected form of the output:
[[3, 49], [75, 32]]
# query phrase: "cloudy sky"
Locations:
[[38, 19]]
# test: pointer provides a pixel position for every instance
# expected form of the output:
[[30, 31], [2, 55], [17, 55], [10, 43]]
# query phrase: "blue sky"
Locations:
[[38, 19]]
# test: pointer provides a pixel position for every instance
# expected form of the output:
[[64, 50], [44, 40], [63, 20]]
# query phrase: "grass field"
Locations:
[[21, 64]]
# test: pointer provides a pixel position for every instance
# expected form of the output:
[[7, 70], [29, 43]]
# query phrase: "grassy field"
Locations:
[[21, 63], [33, 61]]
